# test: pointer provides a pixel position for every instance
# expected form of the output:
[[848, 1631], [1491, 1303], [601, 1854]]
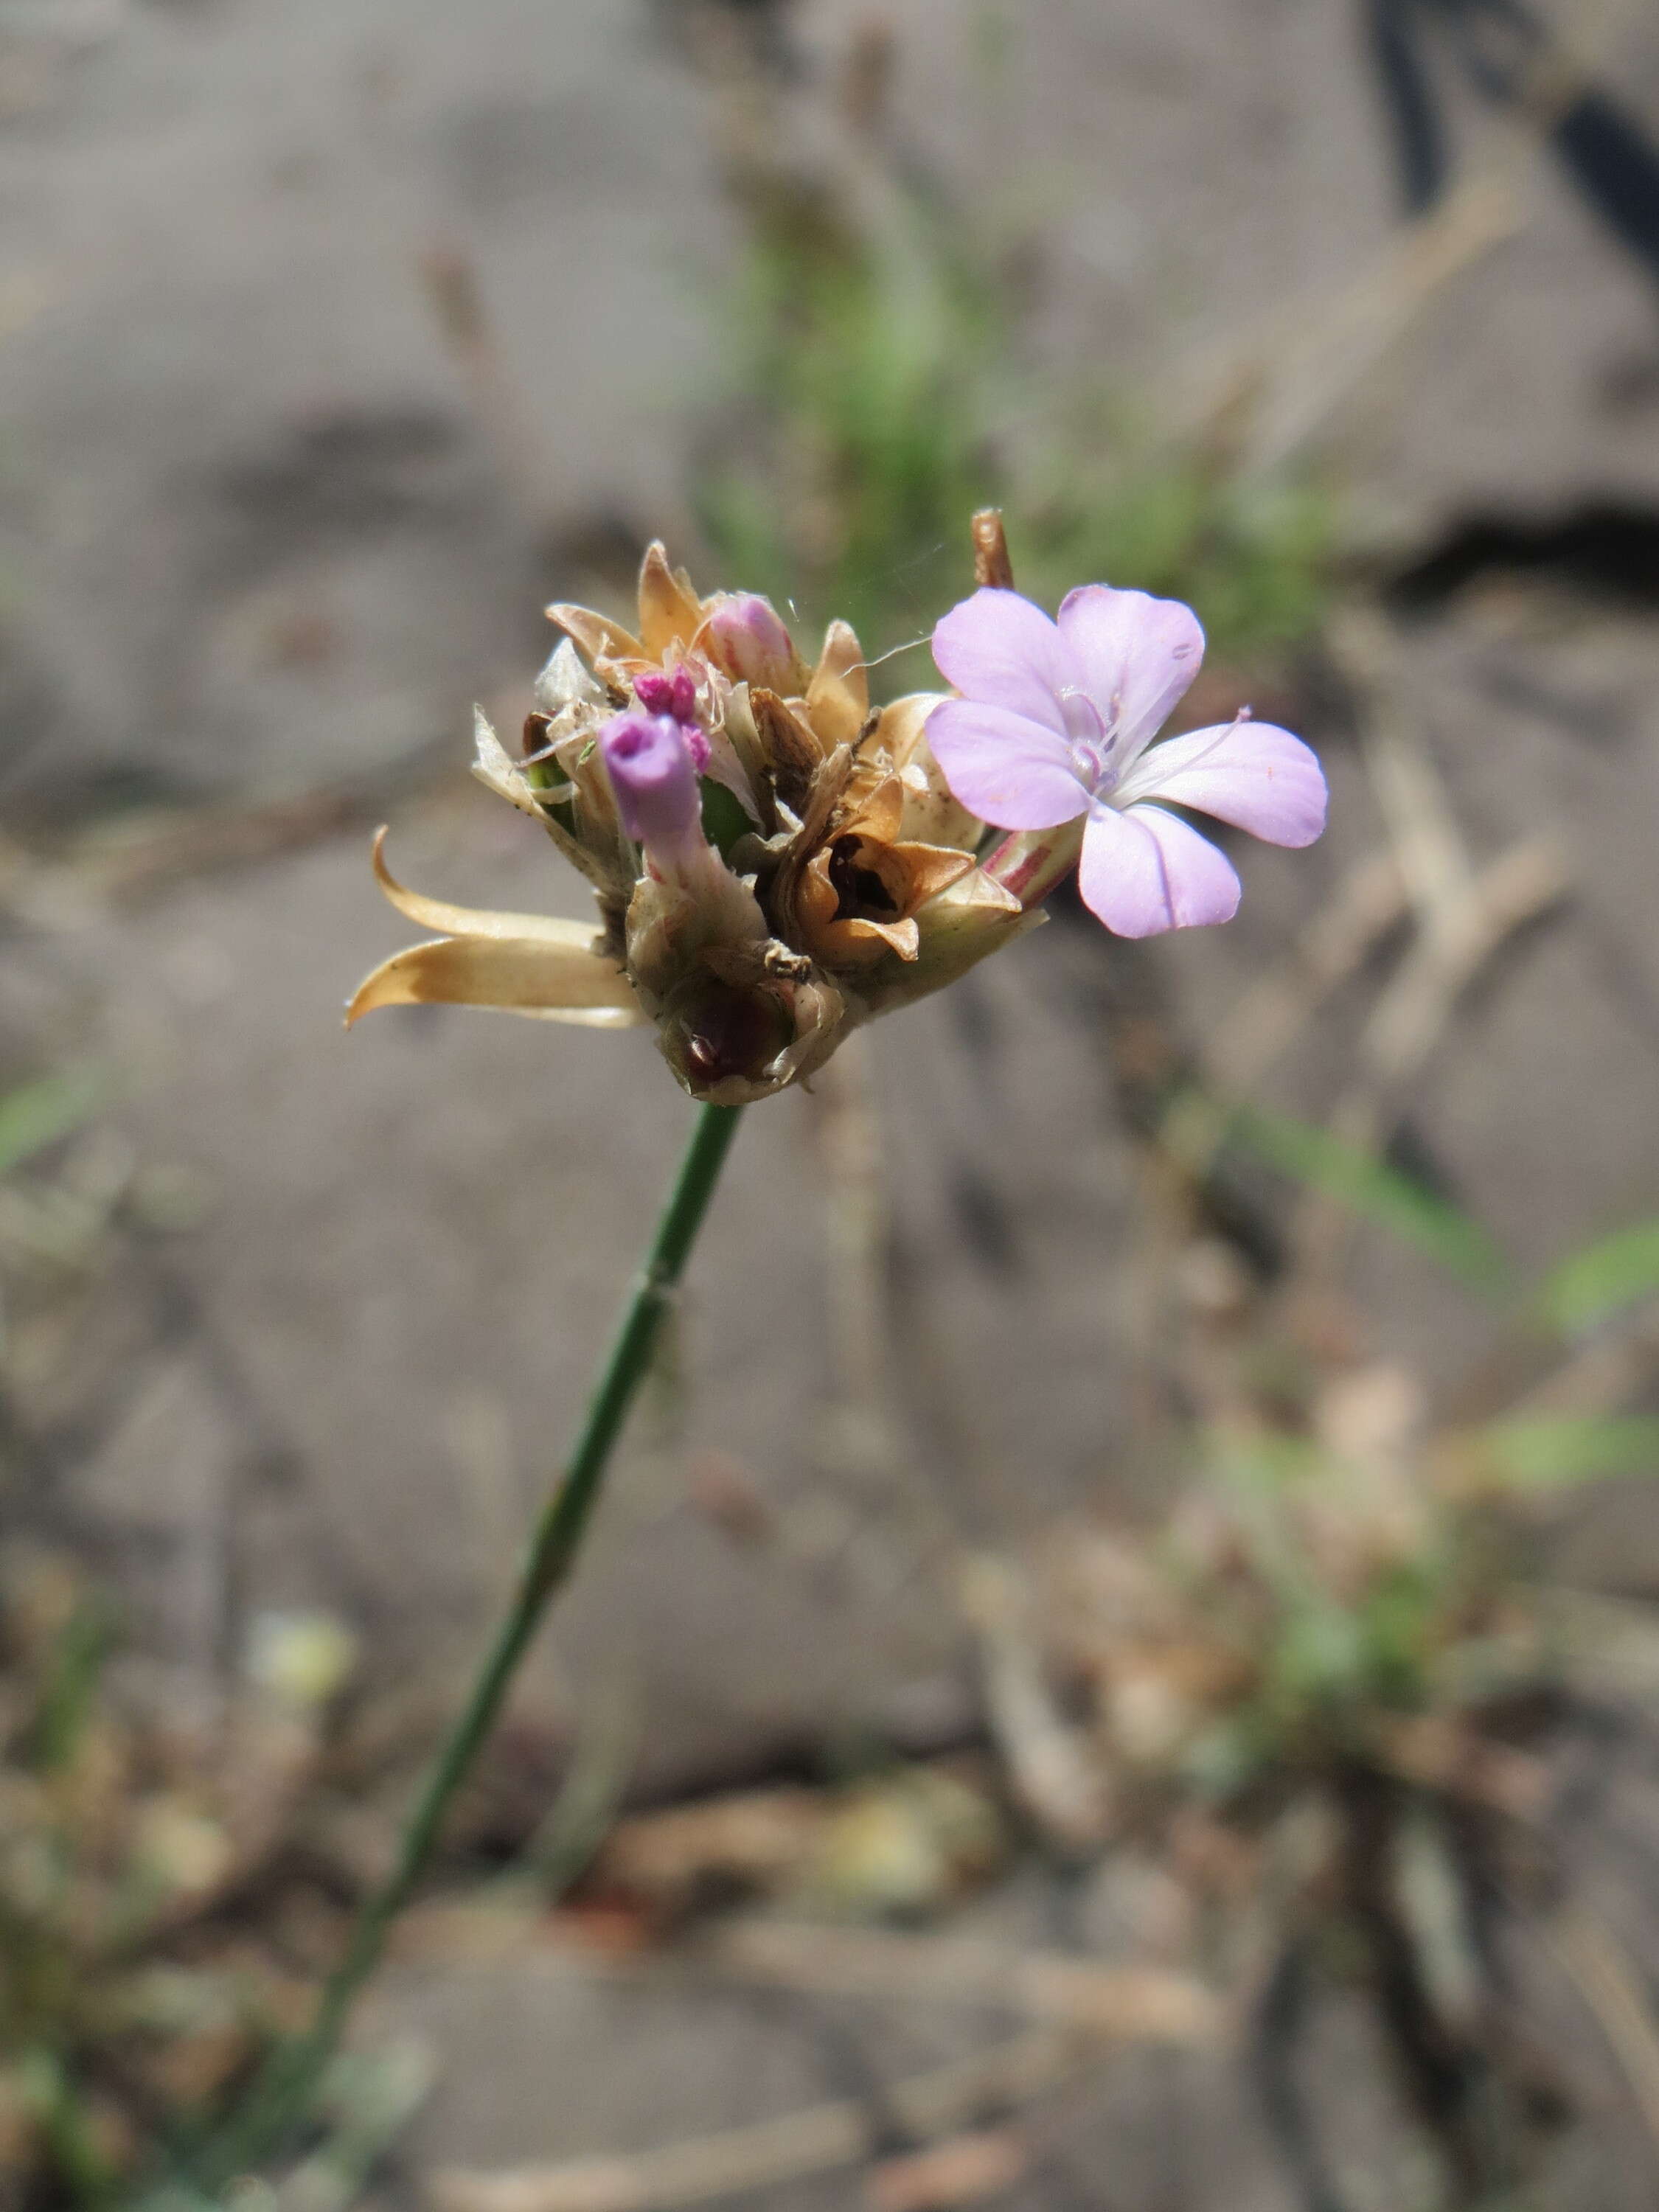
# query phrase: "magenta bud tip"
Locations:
[[661, 691]]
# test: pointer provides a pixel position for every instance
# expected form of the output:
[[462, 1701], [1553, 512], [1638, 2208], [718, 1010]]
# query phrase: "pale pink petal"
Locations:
[[1007, 769], [1146, 871], [1138, 654], [1250, 774], [1002, 650]]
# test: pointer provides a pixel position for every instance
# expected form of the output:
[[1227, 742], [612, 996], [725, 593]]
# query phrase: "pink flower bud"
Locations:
[[660, 692], [654, 773], [744, 637]]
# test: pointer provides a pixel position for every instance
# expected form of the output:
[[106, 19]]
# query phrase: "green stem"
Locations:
[[280, 2094]]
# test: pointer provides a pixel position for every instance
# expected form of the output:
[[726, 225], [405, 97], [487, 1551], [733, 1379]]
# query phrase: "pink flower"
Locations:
[[1054, 721], [654, 773]]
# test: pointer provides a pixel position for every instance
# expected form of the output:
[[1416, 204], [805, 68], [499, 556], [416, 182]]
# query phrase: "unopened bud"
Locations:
[[664, 691], [653, 772], [745, 638]]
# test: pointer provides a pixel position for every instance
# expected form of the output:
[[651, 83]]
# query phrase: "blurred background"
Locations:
[[1116, 1668]]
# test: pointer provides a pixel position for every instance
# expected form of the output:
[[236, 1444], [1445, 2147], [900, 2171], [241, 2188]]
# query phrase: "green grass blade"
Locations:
[[1617, 1270], [1555, 1453], [69, 1691], [35, 1114], [1372, 1188]]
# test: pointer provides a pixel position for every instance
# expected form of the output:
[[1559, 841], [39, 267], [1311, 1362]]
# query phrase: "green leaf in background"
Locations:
[[1371, 1188], [52, 2095], [1616, 1271], [69, 1691], [1545, 1453], [35, 1114]]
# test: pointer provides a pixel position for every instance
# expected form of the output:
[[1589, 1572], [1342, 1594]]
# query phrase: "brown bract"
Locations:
[[845, 881], [858, 895], [524, 964]]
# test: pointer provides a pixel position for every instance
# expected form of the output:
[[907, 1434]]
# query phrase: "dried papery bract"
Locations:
[[993, 569], [775, 862]]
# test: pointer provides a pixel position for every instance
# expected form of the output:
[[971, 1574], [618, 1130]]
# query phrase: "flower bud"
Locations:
[[649, 760], [664, 691], [745, 638]]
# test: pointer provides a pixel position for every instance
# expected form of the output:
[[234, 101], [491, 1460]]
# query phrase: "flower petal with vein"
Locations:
[[1054, 725]]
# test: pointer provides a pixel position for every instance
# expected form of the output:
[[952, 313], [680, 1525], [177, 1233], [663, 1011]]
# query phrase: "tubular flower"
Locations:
[[1052, 733], [773, 863]]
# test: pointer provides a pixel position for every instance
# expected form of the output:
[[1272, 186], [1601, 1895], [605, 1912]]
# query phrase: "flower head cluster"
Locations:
[[775, 863]]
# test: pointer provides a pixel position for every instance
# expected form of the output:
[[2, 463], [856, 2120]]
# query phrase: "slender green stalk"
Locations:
[[280, 2094]]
